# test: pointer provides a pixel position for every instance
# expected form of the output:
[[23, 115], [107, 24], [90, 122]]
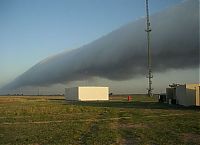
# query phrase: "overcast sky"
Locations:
[[32, 30]]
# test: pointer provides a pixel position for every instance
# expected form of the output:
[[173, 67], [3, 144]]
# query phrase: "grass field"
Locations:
[[52, 120]]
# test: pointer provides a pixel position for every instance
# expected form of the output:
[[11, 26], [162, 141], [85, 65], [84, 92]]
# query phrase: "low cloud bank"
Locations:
[[122, 54]]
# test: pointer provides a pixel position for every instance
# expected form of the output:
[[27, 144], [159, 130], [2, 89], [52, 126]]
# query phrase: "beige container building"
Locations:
[[188, 94], [87, 93]]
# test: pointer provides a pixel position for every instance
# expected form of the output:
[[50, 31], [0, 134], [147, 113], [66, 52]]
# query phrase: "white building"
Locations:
[[187, 94], [87, 93]]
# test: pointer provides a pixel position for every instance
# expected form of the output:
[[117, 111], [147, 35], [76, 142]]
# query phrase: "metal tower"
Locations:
[[148, 30]]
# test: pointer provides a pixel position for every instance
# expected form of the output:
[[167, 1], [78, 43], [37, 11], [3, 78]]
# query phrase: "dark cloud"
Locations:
[[122, 53]]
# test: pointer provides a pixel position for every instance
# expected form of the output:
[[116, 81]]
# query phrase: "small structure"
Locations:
[[171, 94], [187, 94], [87, 93], [162, 98]]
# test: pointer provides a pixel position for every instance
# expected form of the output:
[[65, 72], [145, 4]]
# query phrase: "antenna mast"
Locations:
[[148, 30]]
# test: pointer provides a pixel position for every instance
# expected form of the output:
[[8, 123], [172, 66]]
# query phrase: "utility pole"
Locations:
[[148, 30]]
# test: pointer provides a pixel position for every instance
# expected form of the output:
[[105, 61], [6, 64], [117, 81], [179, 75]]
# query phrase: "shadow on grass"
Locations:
[[133, 104], [56, 99]]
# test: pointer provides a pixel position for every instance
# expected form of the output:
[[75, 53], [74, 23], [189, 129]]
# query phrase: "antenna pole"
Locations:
[[148, 30]]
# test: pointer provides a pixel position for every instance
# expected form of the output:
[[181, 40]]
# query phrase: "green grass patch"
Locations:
[[51, 120]]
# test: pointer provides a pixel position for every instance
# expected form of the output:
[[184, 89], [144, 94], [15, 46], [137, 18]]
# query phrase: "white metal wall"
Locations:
[[188, 95], [93, 93], [71, 93], [87, 93]]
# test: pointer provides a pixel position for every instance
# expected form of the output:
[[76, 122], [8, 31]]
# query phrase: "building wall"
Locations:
[[171, 93], [93, 93], [188, 95], [198, 96], [181, 97], [193, 90], [71, 93], [87, 93]]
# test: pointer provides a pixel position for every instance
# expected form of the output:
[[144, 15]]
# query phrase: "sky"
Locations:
[[32, 30]]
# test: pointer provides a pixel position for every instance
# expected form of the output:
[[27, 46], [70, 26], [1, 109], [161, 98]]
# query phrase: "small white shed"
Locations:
[[87, 93]]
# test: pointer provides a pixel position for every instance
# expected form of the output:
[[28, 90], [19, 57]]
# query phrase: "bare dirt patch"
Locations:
[[138, 125], [191, 138]]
